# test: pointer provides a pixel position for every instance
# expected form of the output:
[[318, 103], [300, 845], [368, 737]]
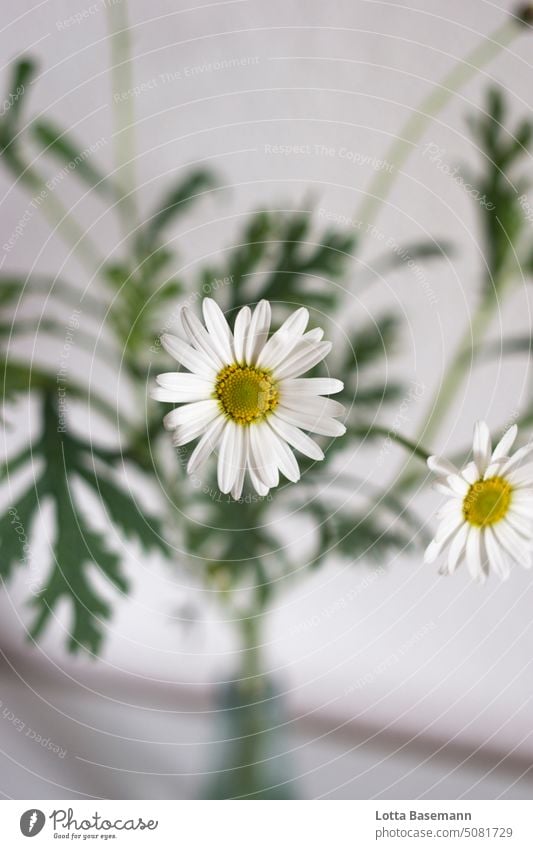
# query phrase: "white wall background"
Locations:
[[447, 715]]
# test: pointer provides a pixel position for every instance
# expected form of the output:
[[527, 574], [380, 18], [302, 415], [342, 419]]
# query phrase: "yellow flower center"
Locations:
[[487, 502], [246, 394]]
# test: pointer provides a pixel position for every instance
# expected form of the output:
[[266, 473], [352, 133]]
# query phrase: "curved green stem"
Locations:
[[379, 430], [252, 680], [124, 114], [423, 115], [453, 379]]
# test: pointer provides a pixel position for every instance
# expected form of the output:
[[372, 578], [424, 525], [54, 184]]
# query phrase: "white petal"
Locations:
[[313, 405], [194, 416], [295, 437], [206, 445], [314, 335], [441, 466], [218, 328], [258, 332], [494, 468], [311, 386], [261, 457], [475, 554], [260, 487], [432, 551], [457, 548], [182, 387], [285, 459], [240, 330], [498, 560], [323, 425], [201, 339], [188, 356], [169, 396], [470, 473], [505, 444], [457, 484], [448, 526], [523, 496], [442, 487], [517, 458], [304, 357], [482, 446], [236, 491], [453, 507], [440, 542], [511, 543], [522, 525], [521, 476], [522, 513], [283, 340], [230, 456], [296, 323]]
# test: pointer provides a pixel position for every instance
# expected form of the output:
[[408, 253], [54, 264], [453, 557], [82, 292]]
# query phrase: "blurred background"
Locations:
[[396, 682]]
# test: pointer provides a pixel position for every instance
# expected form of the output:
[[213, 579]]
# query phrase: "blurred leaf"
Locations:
[[242, 543], [518, 345], [325, 531], [141, 305], [363, 536], [417, 251], [245, 258], [498, 200], [372, 341], [17, 377], [15, 530], [21, 76], [292, 266], [76, 547], [13, 287], [381, 393], [175, 203], [124, 512], [300, 256], [58, 143]]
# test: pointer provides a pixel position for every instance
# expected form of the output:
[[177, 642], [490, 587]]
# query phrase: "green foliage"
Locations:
[[363, 536], [175, 203], [77, 547], [417, 252], [15, 376], [14, 528], [302, 259], [58, 143], [278, 258], [500, 187], [17, 90], [287, 257], [244, 546]]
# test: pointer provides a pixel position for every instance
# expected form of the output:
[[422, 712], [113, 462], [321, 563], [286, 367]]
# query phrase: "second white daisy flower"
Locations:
[[244, 395], [487, 521]]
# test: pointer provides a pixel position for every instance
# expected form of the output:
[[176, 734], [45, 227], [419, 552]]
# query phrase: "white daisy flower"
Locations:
[[244, 395], [488, 519]]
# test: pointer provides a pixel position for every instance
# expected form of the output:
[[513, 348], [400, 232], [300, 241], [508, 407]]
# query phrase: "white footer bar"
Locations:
[[269, 824]]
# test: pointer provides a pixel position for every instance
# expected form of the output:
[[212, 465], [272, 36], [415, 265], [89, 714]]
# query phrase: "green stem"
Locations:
[[453, 379], [252, 678], [378, 430], [423, 115], [124, 114]]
